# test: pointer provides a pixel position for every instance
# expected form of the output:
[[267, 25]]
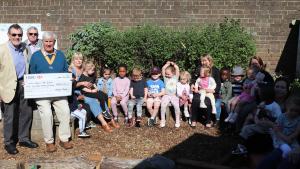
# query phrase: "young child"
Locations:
[[203, 83], [237, 80], [247, 96], [226, 86], [267, 111], [80, 114], [104, 84], [183, 92], [121, 85], [138, 93], [287, 127], [156, 89], [170, 72], [91, 97]]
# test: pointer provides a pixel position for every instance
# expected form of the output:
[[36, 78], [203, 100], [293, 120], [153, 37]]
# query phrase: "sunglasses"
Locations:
[[15, 34], [35, 34]]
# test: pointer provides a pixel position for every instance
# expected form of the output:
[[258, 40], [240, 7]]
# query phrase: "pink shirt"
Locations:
[[121, 86], [204, 82]]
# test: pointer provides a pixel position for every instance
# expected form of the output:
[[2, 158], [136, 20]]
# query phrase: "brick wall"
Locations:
[[268, 20]]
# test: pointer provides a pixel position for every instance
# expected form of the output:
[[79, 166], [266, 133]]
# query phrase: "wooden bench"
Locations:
[[72, 125], [144, 110]]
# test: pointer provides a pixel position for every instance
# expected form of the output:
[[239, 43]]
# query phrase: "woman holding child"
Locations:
[[207, 61]]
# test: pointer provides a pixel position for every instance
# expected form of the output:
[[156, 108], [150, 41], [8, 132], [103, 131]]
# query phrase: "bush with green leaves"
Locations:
[[150, 45]]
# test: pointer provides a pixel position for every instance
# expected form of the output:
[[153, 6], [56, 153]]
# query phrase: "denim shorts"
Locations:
[[94, 105]]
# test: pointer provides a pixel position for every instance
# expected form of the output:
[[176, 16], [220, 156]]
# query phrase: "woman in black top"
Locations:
[[207, 60]]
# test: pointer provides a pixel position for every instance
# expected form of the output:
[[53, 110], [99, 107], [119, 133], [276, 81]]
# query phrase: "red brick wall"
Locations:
[[268, 20]]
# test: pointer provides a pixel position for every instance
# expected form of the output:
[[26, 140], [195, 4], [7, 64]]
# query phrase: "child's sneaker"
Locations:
[[155, 120], [233, 118], [189, 121], [138, 124], [83, 134], [138, 119], [116, 119], [162, 124], [177, 125], [151, 122], [131, 122], [228, 117], [208, 125], [202, 105], [90, 124], [107, 115], [125, 120], [240, 150]]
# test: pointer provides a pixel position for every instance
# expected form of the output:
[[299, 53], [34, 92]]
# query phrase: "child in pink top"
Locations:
[[203, 84], [121, 86]]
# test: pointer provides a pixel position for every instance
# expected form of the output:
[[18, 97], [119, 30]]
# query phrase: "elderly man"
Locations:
[[33, 43], [50, 60], [17, 116]]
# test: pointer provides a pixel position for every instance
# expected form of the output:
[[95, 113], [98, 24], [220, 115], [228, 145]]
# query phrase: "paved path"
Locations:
[[70, 163]]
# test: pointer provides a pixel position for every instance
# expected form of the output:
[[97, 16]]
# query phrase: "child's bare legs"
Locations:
[[156, 108], [152, 107], [236, 110], [202, 98], [232, 103], [186, 107]]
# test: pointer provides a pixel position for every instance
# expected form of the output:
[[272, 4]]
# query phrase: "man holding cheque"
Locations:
[[50, 60]]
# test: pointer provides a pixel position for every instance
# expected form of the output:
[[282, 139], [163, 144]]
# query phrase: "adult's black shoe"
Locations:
[[28, 144], [11, 149]]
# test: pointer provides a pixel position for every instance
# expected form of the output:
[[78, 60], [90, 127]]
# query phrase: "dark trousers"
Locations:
[[198, 112], [17, 118]]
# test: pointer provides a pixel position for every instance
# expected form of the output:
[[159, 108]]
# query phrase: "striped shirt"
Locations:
[[237, 88]]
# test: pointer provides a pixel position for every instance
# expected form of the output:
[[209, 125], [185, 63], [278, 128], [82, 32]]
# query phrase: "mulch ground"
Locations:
[[136, 143]]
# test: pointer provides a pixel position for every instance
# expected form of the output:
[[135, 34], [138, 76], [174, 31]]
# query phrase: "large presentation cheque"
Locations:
[[47, 85]]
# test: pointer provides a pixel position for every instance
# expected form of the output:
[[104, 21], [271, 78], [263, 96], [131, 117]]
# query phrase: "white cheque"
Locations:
[[47, 85]]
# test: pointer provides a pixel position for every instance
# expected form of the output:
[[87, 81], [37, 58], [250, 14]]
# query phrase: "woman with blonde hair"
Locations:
[[207, 61]]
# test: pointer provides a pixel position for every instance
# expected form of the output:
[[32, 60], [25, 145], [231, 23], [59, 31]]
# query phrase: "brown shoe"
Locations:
[[50, 148], [131, 122], [113, 124], [106, 128], [66, 145]]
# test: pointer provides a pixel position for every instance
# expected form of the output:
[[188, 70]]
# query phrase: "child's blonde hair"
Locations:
[[171, 68], [185, 74], [89, 65], [206, 69], [136, 71]]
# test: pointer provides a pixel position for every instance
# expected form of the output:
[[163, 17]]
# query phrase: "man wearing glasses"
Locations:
[[33, 43], [17, 116]]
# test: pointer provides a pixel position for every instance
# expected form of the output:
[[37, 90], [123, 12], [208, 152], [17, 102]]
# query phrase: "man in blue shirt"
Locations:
[[17, 116], [50, 60]]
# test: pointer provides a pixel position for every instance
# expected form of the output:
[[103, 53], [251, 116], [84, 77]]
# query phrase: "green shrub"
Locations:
[[147, 45]]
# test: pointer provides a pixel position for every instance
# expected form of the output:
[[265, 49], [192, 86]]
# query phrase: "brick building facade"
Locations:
[[268, 20]]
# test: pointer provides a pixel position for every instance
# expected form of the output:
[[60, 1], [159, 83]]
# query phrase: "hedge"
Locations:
[[148, 45]]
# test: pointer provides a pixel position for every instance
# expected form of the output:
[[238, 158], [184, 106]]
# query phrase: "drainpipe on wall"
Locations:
[[297, 22]]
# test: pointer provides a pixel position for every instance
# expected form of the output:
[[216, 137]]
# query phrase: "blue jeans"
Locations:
[[94, 105], [218, 108], [139, 104]]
